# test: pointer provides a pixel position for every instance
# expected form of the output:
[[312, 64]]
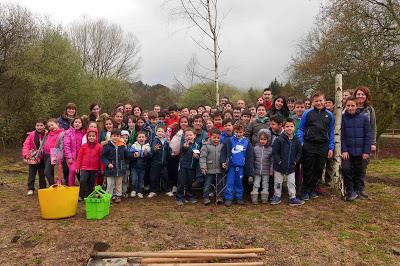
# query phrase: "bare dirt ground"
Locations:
[[325, 231]]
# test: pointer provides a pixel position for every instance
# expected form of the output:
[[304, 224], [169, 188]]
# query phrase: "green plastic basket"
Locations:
[[97, 204]]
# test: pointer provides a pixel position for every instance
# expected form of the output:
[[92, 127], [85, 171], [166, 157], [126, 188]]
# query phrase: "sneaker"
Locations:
[[180, 203], [206, 201], [351, 196], [275, 200], [193, 201], [211, 195], [152, 195], [313, 195], [117, 199], [305, 196], [240, 202], [170, 194], [133, 194], [30, 192], [296, 202], [362, 195], [140, 195], [228, 203], [220, 200], [174, 189]]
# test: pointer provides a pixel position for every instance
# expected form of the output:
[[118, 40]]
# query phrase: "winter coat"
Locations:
[[32, 143], [286, 154], [210, 155], [54, 139], [116, 155], [263, 158], [89, 155], [64, 122], [141, 161], [159, 157], [356, 134], [186, 159], [369, 112], [316, 130], [254, 127], [224, 137], [73, 142], [238, 153]]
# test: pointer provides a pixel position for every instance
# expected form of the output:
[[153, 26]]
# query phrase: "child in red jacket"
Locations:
[[89, 163]]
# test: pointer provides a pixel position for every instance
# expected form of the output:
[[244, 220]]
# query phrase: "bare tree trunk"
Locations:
[[216, 76], [337, 176]]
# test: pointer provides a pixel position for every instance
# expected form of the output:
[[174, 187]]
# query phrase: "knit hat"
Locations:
[[124, 132]]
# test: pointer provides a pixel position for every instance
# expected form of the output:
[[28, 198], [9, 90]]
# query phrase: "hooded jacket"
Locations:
[[286, 154], [89, 155], [210, 155], [54, 139], [73, 142], [254, 127], [263, 157], [356, 135], [114, 153], [32, 142]]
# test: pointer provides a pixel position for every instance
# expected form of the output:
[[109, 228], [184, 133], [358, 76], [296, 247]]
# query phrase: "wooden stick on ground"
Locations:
[[175, 260], [259, 263], [233, 250], [172, 255]]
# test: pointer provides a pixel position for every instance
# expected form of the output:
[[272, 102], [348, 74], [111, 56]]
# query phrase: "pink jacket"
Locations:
[[51, 141], [29, 144], [72, 142]]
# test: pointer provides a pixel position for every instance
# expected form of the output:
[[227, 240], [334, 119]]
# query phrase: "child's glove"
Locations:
[[251, 179]]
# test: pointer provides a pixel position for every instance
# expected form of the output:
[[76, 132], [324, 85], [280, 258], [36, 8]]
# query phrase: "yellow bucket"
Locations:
[[58, 201]]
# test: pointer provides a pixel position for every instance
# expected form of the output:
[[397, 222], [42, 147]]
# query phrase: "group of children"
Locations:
[[251, 150]]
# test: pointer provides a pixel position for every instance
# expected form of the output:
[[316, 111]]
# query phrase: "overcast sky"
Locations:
[[258, 36]]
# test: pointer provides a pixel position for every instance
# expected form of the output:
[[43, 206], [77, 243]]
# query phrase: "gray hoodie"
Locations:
[[210, 157], [263, 157]]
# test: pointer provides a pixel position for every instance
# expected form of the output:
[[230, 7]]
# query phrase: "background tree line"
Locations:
[[43, 66]]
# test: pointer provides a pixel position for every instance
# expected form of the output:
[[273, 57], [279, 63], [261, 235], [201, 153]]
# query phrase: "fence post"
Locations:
[[337, 175]]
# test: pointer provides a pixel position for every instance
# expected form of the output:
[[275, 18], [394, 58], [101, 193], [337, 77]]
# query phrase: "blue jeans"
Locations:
[[234, 186], [212, 180], [137, 179]]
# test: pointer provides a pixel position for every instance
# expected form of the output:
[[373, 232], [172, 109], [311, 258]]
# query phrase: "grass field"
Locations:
[[325, 231]]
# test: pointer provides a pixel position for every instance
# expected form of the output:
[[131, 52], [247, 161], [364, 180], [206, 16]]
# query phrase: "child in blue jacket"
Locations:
[[113, 157], [286, 153], [160, 152], [316, 134], [190, 154], [237, 157], [356, 139]]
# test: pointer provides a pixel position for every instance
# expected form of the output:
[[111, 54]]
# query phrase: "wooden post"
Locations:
[[337, 175]]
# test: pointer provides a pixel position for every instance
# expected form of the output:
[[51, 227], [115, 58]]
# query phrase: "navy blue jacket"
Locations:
[[115, 155], [187, 160], [159, 157], [286, 154], [243, 159], [356, 134], [316, 131], [64, 122]]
